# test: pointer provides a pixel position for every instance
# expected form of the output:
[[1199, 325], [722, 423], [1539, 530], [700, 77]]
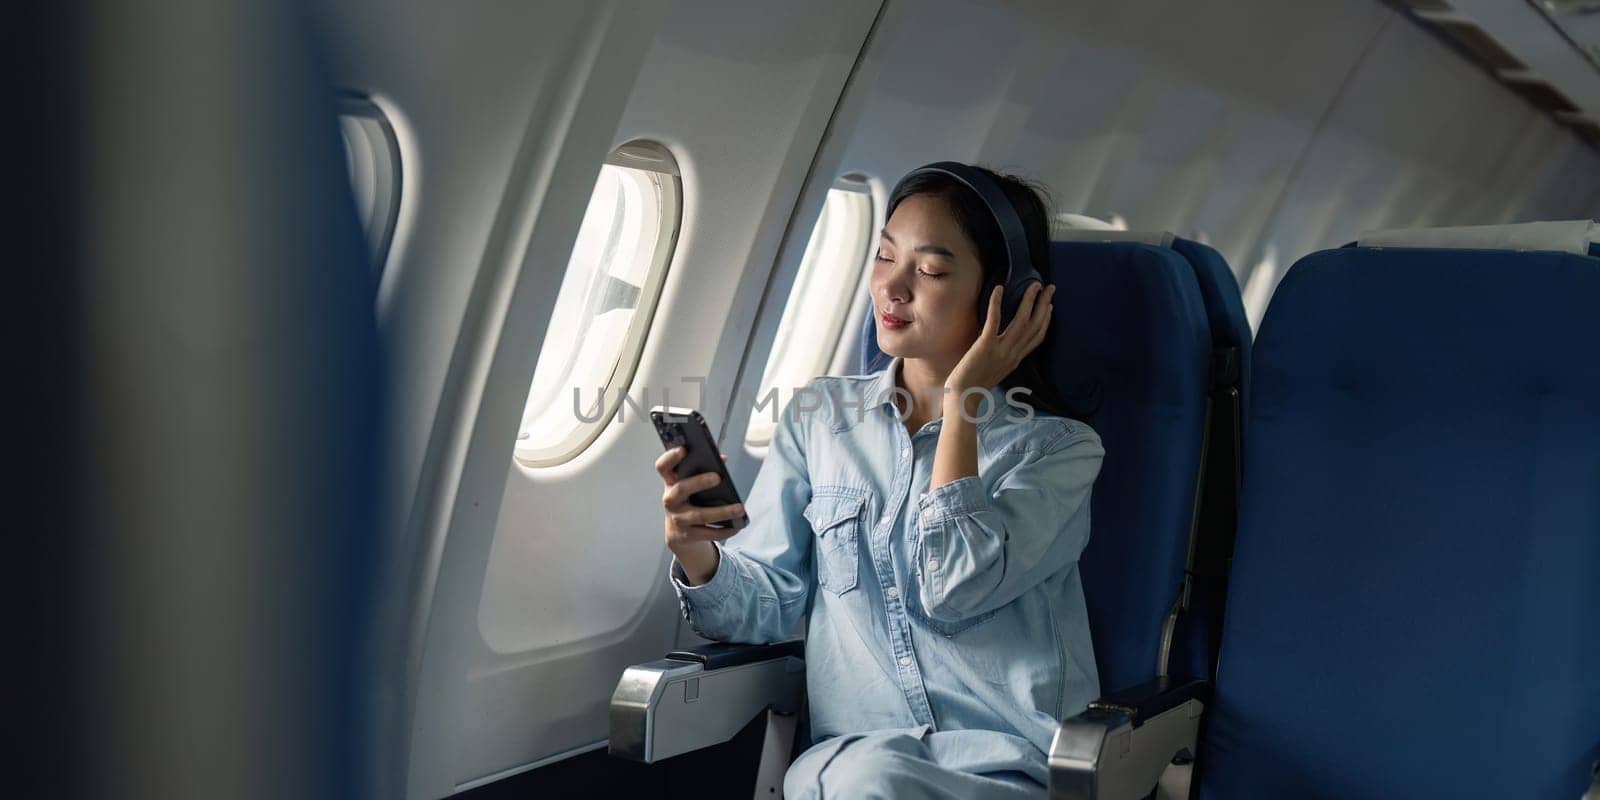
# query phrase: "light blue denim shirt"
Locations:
[[959, 608]]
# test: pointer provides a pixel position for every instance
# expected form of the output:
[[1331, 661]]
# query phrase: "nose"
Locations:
[[889, 288]]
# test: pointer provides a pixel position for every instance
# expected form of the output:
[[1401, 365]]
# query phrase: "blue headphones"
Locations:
[[1020, 271]]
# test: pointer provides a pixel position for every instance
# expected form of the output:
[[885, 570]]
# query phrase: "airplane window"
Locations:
[[814, 319], [373, 156], [607, 297]]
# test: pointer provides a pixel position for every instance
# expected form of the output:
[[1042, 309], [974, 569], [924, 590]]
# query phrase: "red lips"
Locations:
[[892, 322]]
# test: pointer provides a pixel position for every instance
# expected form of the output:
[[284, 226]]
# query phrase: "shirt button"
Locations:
[[927, 515], [892, 591], [905, 661], [933, 563], [905, 452]]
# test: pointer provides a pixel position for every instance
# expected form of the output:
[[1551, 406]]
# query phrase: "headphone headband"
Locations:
[[1020, 270]]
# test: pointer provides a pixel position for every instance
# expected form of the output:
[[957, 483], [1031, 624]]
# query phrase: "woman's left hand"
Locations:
[[997, 353]]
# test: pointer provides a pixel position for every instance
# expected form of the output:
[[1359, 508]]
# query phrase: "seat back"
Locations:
[[1197, 624], [1198, 635], [1415, 594], [1130, 343], [1130, 322], [1219, 289]]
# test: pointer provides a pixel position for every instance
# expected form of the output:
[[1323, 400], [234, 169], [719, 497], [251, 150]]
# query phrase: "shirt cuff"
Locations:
[[709, 594], [963, 496], [960, 496]]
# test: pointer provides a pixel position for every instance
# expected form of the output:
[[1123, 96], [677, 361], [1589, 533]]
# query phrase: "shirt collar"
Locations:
[[881, 394]]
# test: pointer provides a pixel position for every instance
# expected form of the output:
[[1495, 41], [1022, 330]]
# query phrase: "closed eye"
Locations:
[[920, 271]]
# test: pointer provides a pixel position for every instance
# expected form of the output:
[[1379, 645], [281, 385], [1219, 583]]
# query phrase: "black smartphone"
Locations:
[[684, 427]]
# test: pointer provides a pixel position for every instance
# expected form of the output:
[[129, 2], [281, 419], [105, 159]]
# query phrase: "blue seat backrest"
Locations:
[[1414, 609], [1129, 319], [1199, 630], [1130, 338], [1224, 305]]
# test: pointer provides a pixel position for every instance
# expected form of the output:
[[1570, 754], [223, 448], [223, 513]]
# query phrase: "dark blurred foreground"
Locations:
[[195, 380]]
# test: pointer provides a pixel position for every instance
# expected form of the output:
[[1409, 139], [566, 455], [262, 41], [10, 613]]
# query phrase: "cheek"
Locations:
[[953, 307]]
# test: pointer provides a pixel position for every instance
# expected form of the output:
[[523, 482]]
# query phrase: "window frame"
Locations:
[[827, 356], [646, 156], [388, 168]]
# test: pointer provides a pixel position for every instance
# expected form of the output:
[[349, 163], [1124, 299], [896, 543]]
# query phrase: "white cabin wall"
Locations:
[[504, 113], [549, 586]]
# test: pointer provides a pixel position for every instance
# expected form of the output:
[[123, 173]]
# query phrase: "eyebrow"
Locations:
[[927, 248]]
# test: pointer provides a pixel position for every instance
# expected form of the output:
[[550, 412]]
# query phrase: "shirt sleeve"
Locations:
[[979, 551], [762, 586]]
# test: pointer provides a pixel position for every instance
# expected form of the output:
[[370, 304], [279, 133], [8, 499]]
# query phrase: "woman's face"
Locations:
[[927, 276]]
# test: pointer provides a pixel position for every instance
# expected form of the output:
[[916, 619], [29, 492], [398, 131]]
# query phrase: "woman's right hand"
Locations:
[[687, 534]]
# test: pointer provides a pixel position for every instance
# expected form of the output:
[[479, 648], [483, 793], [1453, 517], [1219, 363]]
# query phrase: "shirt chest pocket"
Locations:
[[836, 522]]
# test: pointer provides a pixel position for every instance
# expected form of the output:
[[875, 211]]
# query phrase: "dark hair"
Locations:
[[972, 215]]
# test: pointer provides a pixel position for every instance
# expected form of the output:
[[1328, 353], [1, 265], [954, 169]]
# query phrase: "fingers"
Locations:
[[1032, 315], [678, 493], [702, 533], [1024, 318], [670, 459], [695, 516], [1041, 330], [1044, 303], [666, 462]]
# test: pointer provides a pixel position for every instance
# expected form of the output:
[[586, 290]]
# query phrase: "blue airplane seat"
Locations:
[[1198, 635], [1131, 350], [1197, 616], [1414, 604], [1130, 345], [1224, 304]]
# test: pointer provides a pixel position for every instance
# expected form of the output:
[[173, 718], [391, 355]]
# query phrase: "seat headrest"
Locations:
[[1576, 236], [1156, 238], [1067, 221]]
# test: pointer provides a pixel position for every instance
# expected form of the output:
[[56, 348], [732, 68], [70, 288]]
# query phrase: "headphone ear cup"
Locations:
[[1011, 300]]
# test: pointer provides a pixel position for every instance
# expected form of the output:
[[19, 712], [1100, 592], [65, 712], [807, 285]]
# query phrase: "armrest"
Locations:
[[702, 696], [1150, 699], [1121, 744], [724, 654]]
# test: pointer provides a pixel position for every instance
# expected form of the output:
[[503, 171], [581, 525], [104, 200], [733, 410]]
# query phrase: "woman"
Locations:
[[924, 523]]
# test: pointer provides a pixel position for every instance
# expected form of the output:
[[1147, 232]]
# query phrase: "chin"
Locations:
[[892, 343]]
